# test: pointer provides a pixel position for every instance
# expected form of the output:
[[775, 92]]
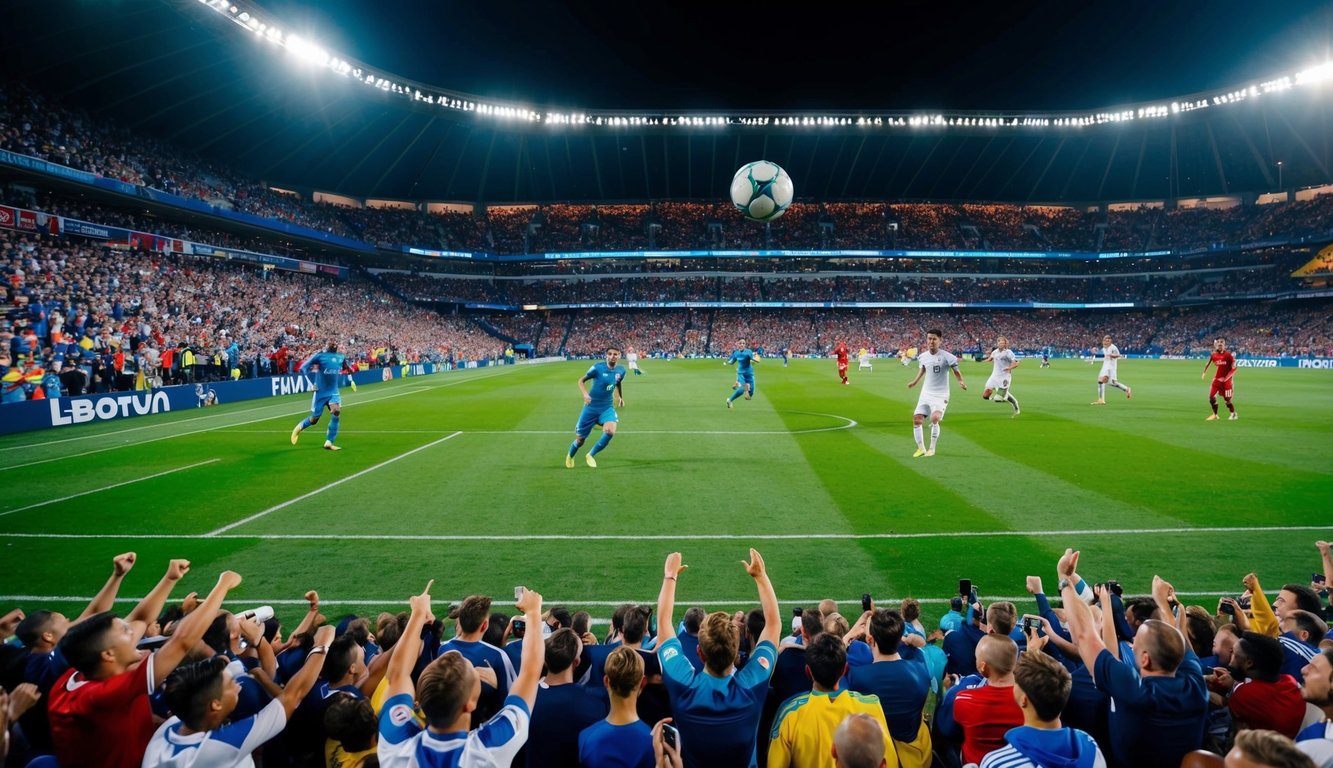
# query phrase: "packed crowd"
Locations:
[[100, 319], [913, 287], [35, 125], [1086, 675], [1250, 329]]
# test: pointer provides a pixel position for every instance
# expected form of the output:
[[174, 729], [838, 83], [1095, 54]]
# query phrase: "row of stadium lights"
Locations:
[[310, 53]]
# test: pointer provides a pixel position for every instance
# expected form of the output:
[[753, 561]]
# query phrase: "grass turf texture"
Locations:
[[785, 465]]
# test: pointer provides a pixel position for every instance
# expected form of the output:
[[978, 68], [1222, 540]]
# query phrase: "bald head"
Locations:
[[858, 743], [1163, 643], [998, 653]]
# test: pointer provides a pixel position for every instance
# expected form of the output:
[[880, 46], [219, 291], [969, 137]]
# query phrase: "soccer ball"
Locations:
[[761, 190]]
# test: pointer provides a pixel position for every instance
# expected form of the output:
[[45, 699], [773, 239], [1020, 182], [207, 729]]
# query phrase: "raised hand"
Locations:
[[9, 623], [177, 569], [1068, 564], [228, 580], [673, 566], [1034, 585], [121, 564], [325, 634], [756, 565], [531, 602], [313, 598], [421, 603]]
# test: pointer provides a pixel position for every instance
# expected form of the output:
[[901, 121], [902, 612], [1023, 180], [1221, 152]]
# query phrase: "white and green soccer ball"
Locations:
[[761, 190]]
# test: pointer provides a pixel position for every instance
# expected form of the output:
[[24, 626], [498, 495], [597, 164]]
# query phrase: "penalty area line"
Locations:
[[334, 484], [106, 487]]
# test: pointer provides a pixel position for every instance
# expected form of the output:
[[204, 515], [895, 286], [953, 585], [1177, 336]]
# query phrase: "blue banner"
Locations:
[[84, 409]]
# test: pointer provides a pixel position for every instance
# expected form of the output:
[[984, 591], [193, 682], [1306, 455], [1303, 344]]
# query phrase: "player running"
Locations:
[[1110, 358], [1222, 376], [999, 382], [745, 358], [934, 399], [842, 352], [863, 360], [1045, 357], [327, 367], [606, 378], [632, 360]]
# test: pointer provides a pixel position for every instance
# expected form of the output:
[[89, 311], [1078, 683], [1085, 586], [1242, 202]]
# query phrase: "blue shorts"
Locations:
[[319, 402], [746, 378], [591, 416]]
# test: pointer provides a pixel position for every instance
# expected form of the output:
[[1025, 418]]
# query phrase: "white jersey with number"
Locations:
[[935, 385], [1109, 362], [1003, 360]]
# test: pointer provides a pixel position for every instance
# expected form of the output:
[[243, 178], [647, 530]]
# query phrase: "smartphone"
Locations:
[[671, 737], [518, 592], [1317, 578], [965, 587], [520, 626], [1227, 608], [865, 602], [796, 612], [1031, 624]]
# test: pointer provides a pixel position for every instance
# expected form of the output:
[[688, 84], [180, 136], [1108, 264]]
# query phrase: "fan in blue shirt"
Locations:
[[327, 368], [606, 378], [717, 711]]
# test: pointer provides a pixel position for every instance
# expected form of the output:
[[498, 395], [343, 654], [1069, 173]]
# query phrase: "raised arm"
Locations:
[[1109, 637], [1264, 621], [1081, 626], [192, 627], [150, 607], [666, 598], [534, 649], [1327, 557], [768, 599], [308, 675], [1163, 594], [106, 596], [409, 644]]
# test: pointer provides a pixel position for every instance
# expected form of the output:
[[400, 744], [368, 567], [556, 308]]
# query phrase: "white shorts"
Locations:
[[1109, 373], [997, 382], [928, 405]]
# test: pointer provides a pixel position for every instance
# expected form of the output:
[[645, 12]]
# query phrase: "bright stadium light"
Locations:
[[245, 14]]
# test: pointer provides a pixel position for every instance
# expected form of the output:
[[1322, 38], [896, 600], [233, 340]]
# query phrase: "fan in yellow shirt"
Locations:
[[803, 730]]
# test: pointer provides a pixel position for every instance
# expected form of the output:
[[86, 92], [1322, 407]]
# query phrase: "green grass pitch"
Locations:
[[460, 477]]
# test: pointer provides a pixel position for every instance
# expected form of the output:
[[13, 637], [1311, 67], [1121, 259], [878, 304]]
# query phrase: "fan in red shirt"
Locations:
[[987, 712], [841, 352], [99, 710], [1222, 375]]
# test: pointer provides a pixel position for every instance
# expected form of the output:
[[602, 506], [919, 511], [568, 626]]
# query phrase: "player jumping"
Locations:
[[934, 398], [1110, 358], [841, 352], [999, 381], [327, 366], [1222, 376]]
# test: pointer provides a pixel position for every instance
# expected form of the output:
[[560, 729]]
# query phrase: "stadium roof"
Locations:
[[179, 70]]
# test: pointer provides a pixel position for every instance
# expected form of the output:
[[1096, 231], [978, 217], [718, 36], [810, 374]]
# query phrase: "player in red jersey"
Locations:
[[1222, 375], [842, 352]]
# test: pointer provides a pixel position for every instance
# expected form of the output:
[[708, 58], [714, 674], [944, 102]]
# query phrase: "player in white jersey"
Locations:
[[863, 360], [1000, 379], [632, 360], [934, 399], [1110, 359]]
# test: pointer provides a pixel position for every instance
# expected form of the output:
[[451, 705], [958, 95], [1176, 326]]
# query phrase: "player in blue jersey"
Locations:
[[606, 378], [327, 367], [745, 358]]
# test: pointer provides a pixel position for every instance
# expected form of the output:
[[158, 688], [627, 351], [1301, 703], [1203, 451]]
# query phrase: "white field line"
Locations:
[[287, 411], [106, 487], [334, 484], [500, 601], [158, 425], [650, 537]]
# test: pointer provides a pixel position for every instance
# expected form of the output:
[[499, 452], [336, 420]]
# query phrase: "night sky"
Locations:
[[694, 55]]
